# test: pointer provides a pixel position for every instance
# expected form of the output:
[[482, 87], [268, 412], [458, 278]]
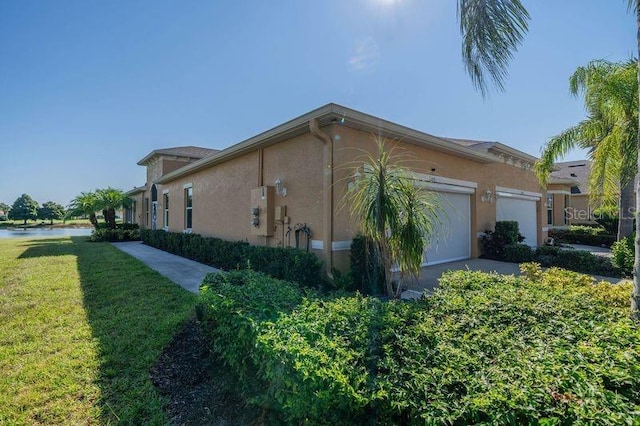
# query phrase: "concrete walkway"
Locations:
[[184, 272]]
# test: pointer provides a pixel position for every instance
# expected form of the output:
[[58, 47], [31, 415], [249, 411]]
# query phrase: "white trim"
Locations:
[[165, 228], [517, 196], [511, 192], [443, 187], [480, 234], [558, 191], [440, 262], [317, 245], [187, 185], [343, 245], [165, 191], [545, 229], [188, 231], [446, 181]]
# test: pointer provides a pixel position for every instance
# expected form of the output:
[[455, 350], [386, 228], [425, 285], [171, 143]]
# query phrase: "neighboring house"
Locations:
[[264, 188], [576, 175]]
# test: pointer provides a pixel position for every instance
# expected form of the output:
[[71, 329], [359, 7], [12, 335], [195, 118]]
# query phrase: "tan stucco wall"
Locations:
[[222, 193], [349, 145], [580, 210]]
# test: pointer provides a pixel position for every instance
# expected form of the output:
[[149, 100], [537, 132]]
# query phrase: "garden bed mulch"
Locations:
[[196, 385]]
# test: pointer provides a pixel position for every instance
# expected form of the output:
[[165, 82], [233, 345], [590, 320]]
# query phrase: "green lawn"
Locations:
[[80, 325]]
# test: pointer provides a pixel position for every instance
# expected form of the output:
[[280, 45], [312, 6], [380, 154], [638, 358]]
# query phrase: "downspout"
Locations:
[[327, 188]]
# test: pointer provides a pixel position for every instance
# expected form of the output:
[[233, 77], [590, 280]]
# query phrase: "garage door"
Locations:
[[453, 239], [521, 210]]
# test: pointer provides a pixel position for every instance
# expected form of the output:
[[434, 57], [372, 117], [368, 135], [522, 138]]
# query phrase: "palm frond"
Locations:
[[491, 32]]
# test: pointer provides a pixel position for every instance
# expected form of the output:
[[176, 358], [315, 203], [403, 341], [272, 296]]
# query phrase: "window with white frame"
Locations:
[[188, 208], [166, 209], [549, 205]]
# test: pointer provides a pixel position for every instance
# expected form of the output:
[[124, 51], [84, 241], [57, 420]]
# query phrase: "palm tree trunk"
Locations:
[[635, 295], [94, 220], [625, 215]]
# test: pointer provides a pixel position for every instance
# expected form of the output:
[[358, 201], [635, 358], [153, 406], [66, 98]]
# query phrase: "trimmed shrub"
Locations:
[[608, 218], [623, 252], [518, 253], [581, 234], [548, 348], [368, 274], [493, 242], [283, 263], [114, 235], [234, 307]]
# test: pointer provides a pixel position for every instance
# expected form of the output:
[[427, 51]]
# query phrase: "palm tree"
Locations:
[[84, 204], [491, 31], [394, 213], [109, 200], [609, 133]]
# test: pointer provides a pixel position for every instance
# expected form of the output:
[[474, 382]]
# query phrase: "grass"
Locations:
[[80, 325]]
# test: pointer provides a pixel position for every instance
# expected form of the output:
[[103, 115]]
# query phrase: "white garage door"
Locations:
[[522, 211], [453, 239]]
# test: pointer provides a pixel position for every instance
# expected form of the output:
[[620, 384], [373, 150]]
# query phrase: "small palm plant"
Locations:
[[397, 215]]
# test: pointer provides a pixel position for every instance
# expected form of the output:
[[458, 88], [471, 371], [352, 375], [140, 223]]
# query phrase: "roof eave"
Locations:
[[326, 115]]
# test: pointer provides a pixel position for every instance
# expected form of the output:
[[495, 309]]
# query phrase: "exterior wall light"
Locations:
[[280, 189], [487, 197]]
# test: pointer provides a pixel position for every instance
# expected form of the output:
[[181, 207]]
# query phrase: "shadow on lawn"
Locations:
[[133, 313]]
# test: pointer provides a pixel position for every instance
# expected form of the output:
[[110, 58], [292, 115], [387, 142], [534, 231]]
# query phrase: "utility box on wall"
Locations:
[[262, 211]]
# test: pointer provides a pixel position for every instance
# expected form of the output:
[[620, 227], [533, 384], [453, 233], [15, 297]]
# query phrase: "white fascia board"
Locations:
[[448, 181], [442, 184], [501, 191]]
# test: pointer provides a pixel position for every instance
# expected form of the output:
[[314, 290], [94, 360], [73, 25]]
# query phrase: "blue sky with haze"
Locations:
[[87, 88]]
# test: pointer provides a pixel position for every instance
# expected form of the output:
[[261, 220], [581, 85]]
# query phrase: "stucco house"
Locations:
[[576, 173], [296, 174]]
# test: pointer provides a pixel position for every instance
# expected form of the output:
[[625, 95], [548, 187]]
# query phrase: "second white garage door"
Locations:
[[453, 239], [521, 210]]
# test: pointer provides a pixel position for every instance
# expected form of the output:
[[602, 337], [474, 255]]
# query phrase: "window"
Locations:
[[166, 210], [134, 218], [549, 205], [188, 208], [146, 212]]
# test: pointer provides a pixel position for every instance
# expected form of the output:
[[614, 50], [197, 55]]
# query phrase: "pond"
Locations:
[[44, 232]]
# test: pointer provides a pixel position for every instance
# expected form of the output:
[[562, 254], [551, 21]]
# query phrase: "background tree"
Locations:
[[609, 133], [491, 31], [51, 211], [24, 208], [5, 208], [85, 204], [109, 200], [395, 214]]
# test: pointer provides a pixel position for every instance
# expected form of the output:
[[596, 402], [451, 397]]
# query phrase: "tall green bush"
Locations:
[[623, 253], [367, 272], [506, 233]]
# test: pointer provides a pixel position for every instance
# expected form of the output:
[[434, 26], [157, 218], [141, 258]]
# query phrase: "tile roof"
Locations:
[[194, 152], [576, 170]]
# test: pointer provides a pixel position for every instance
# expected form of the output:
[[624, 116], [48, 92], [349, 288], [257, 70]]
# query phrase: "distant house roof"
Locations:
[[578, 171], [188, 152], [493, 147], [136, 190]]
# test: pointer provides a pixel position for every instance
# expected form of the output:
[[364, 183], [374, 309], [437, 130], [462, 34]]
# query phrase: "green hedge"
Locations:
[[114, 235], [283, 263], [588, 235], [548, 348]]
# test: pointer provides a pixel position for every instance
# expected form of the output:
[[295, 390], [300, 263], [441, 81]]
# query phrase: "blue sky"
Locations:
[[87, 88]]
